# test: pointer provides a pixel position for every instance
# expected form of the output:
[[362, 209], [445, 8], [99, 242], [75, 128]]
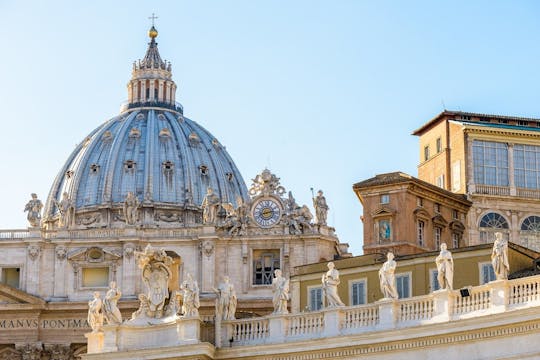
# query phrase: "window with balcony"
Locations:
[[490, 162]]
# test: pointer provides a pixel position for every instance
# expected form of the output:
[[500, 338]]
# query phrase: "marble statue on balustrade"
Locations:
[[190, 289], [280, 293], [155, 270], [387, 279], [330, 282], [226, 300], [321, 208], [210, 206], [499, 257], [95, 313], [445, 268], [110, 305], [131, 208], [66, 209], [33, 207]]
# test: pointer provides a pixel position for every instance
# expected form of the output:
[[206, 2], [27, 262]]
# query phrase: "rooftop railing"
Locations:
[[126, 105]]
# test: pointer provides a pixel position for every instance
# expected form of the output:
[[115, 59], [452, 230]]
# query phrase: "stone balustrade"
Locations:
[[387, 314]]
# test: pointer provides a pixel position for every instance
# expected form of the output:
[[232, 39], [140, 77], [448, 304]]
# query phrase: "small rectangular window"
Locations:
[[358, 292], [385, 199], [315, 298], [455, 214], [522, 123], [403, 285], [426, 153], [439, 145], [434, 283], [439, 181], [10, 277], [437, 208], [486, 273], [420, 228], [419, 202], [95, 277]]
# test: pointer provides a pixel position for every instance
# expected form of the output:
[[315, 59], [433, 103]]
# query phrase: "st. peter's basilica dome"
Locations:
[[150, 150]]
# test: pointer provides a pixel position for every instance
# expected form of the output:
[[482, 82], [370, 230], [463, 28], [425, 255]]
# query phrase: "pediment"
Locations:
[[457, 225], [94, 254], [439, 220], [10, 295], [420, 211], [383, 211]]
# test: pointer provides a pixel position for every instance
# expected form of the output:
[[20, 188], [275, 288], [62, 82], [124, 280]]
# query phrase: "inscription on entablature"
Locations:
[[43, 324]]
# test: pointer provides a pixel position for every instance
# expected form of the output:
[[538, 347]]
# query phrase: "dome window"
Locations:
[[216, 144], [94, 168], [168, 167], [204, 170], [140, 117], [107, 136], [194, 139], [180, 118], [69, 174], [129, 165], [161, 117], [229, 176], [135, 133], [164, 133]]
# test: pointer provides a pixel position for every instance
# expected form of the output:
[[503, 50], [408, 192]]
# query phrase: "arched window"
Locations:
[[529, 235], [490, 224]]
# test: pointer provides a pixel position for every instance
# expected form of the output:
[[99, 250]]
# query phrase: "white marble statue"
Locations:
[[155, 268], [330, 282], [210, 206], [280, 292], [110, 305], [131, 207], [190, 288], [33, 207], [387, 279], [226, 300], [66, 210], [499, 257], [321, 208], [95, 314], [445, 268]]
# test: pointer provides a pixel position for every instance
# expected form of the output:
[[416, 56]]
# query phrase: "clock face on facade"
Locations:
[[266, 213]]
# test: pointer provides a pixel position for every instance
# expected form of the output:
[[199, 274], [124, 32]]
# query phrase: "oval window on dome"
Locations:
[[204, 170]]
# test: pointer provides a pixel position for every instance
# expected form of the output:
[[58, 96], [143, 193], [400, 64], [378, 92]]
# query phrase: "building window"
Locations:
[[455, 240], [315, 298], [529, 236], [522, 123], [527, 166], [439, 181], [385, 199], [420, 232], [10, 277], [426, 153], [434, 283], [385, 230], [437, 208], [403, 285], [490, 162], [439, 145], [358, 292], [490, 224], [94, 277], [437, 237], [455, 214], [486, 273], [532, 223], [419, 202], [264, 264]]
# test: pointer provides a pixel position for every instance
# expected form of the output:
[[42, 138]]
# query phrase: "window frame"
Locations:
[[433, 273], [421, 234], [94, 266], [385, 199], [481, 266], [271, 274], [309, 297], [12, 266], [408, 275], [351, 292]]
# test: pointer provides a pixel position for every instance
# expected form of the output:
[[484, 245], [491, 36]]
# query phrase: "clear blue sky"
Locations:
[[324, 93]]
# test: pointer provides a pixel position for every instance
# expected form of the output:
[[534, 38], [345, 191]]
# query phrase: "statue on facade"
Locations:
[[155, 269], [95, 315], [66, 210], [445, 268], [130, 208], [499, 257], [190, 288], [330, 282], [110, 305], [298, 217], [280, 291], [210, 206], [321, 208], [266, 183], [226, 300], [387, 279], [33, 207], [237, 218]]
